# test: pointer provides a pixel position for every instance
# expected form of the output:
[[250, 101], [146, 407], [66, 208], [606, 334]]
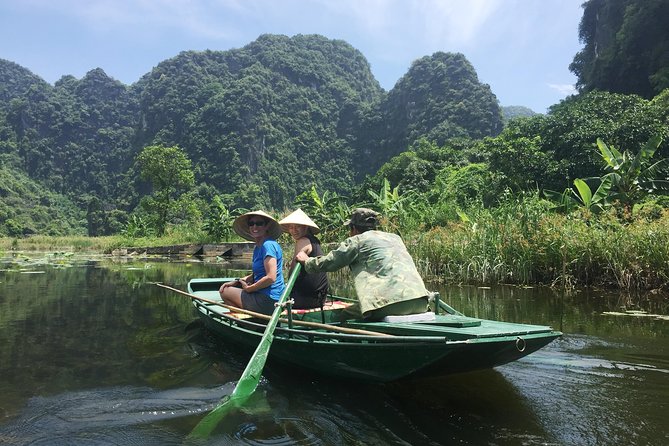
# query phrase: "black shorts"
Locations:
[[258, 302]]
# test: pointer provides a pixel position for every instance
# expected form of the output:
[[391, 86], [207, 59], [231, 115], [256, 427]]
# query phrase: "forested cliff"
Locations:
[[261, 124]]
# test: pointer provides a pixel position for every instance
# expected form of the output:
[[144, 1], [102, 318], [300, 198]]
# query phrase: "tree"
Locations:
[[96, 217], [170, 173], [329, 210], [568, 133], [388, 200], [218, 223], [520, 162], [629, 179]]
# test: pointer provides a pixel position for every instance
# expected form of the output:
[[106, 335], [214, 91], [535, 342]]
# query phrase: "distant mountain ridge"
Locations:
[[261, 123], [517, 111]]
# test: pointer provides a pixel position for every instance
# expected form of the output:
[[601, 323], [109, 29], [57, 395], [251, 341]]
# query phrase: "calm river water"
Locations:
[[93, 353]]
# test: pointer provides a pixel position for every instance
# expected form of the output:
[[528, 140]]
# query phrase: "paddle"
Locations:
[[328, 327], [249, 381]]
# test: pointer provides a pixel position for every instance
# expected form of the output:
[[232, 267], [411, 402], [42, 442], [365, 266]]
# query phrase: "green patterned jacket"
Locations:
[[382, 268]]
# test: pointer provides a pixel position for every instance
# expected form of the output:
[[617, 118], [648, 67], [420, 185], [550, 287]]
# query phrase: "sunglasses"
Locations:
[[256, 223]]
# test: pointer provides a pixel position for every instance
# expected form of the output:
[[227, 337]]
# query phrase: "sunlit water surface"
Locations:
[[93, 353]]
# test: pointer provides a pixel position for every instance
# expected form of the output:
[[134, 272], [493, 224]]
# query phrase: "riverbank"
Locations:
[[44, 243], [523, 248], [102, 245]]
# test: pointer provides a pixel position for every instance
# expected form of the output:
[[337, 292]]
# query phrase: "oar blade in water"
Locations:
[[251, 376], [206, 426]]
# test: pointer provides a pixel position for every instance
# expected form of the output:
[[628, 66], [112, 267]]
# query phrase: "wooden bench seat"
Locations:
[[328, 306]]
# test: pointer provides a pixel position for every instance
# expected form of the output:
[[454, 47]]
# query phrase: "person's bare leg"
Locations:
[[232, 296]]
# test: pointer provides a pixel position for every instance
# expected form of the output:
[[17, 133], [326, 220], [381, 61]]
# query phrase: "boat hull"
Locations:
[[445, 345]]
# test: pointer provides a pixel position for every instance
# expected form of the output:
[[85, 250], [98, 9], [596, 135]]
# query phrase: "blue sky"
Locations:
[[521, 48]]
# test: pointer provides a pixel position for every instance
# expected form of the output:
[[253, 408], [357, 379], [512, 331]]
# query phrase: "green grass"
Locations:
[[44, 243], [547, 248], [175, 236]]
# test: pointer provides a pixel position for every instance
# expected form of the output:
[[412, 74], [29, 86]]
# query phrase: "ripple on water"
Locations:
[[288, 431], [108, 416], [583, 389]]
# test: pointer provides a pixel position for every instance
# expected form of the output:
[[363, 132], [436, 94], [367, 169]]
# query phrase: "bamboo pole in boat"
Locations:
[[328, 327]]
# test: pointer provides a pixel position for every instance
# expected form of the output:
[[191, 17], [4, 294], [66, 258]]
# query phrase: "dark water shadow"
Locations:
[[109, 416]]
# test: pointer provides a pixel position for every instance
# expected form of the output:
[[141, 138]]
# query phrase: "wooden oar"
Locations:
[[329, 327], [450, 310], [249, 381]]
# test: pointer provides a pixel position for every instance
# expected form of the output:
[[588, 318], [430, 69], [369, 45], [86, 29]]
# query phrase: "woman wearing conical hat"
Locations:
[[309, 290], [263, 287]]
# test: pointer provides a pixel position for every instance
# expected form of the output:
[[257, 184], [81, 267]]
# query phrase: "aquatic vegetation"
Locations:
[[553, 249]]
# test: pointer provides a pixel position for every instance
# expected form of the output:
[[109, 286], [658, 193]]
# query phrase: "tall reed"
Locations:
[[523, 244]]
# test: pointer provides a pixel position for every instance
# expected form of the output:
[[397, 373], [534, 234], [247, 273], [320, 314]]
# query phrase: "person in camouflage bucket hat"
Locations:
[[363, 218], [385, 276]]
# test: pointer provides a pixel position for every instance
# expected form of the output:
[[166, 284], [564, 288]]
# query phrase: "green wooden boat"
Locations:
[[437, 343]]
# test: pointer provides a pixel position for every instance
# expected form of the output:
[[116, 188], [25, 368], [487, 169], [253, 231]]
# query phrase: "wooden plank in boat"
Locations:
[[336, 305]]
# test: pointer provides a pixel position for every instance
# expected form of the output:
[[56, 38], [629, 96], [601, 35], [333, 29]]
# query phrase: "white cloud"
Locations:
[[437, 24], [455, 22]]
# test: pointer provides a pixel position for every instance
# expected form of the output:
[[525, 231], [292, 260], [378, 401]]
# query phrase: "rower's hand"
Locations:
[[301, 257]]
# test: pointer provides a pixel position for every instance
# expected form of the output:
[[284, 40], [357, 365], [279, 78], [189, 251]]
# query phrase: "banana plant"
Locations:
[[635, 176], [328, 211], [388, 200], [391, 204], [219, 221], [581, 196]]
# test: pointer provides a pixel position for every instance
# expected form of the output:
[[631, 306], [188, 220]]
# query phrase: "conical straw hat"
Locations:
[[241, 225], [299, 218]]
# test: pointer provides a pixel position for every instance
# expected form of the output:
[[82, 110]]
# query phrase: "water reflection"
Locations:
[[91, 352]]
